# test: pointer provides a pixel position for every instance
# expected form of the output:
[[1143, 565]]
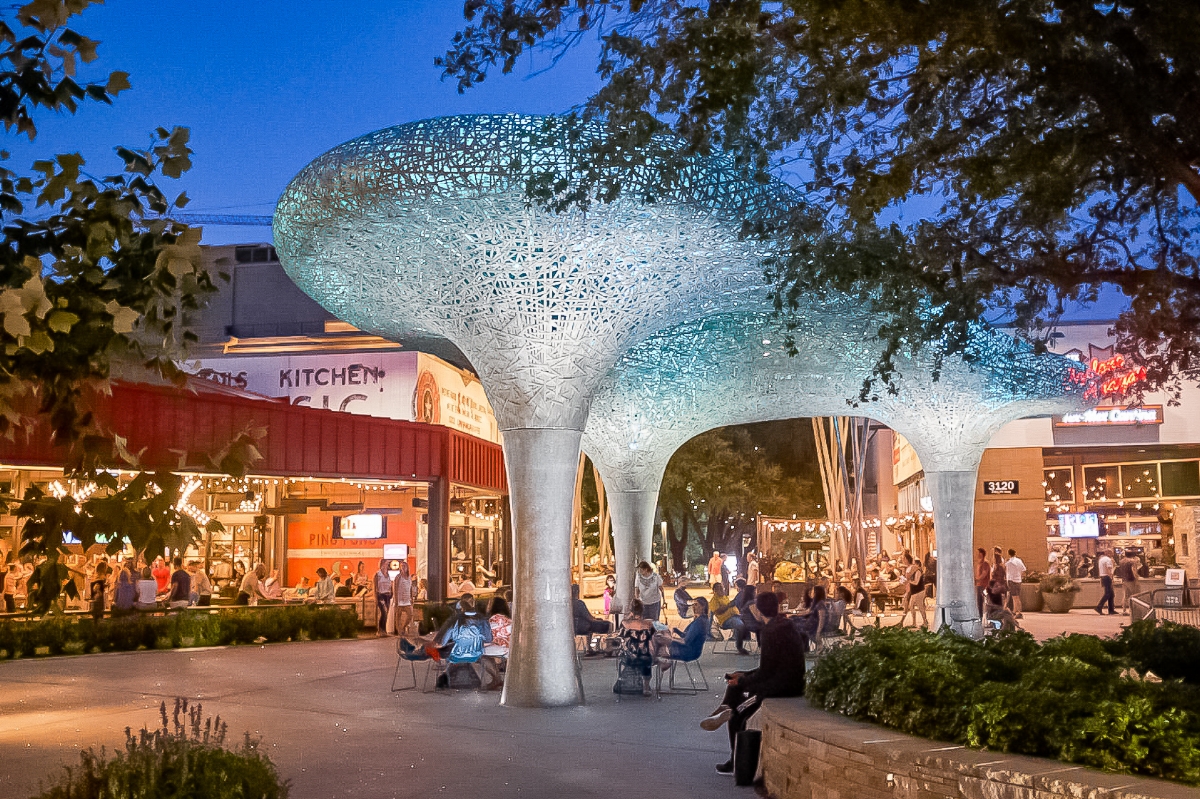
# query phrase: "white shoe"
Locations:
[[718, 717]]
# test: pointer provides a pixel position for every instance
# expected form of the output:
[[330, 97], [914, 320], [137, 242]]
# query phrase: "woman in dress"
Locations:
[[402, 599], [647, 587], [914, 591], [637, 638]]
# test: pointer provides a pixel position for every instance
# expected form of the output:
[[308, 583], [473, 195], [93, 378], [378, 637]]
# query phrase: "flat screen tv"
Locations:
[[1078, 525], [360, 526]]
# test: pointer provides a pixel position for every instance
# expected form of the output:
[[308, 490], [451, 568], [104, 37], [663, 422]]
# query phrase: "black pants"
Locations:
[[743, 707], [742, 632], [242, 599], [593, 628], [1108, 597], [382, 603], [204, 601], [10, 603]]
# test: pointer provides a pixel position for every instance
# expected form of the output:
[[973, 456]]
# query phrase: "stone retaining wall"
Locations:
[[810, 754]]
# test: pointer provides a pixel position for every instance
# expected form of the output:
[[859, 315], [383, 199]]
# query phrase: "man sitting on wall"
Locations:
[[780, 673]]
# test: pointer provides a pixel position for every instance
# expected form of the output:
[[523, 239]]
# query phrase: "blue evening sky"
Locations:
[[266, 86]]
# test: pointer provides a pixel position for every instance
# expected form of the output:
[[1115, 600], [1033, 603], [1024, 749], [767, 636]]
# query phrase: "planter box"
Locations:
[[1031, 598], [810, 754], [1059, 603]]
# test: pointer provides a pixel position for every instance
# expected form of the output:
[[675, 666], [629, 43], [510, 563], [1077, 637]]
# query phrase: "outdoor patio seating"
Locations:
[[410, 653]]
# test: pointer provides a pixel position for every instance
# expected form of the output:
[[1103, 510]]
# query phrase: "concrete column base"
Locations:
[[953, 495], [542, 670], [633, 534]]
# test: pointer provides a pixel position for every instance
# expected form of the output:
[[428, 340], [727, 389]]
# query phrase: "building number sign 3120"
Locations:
[[1001, 487]]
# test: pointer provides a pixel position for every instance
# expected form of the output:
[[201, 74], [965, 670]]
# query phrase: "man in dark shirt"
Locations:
[[585, 622], [751, 625], [745, 597], [181, 585], [780, 672]]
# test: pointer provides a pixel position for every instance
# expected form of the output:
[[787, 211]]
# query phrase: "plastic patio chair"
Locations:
[[687, 668], [408, 652]]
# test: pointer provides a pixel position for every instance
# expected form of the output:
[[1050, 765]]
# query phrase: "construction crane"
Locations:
[[246, 220]]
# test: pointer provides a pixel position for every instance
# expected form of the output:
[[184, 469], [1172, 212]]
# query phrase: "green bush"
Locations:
[[59, 634], [186, 758], [1071, 698], [1172, 651], [433, 616]]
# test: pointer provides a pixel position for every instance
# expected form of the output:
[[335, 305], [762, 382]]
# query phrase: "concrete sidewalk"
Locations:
[[325, 714]]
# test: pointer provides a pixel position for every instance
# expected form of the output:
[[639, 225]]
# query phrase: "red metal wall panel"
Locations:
[[299, 442]]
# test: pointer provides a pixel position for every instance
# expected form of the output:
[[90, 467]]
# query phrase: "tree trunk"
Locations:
[[678, 543]]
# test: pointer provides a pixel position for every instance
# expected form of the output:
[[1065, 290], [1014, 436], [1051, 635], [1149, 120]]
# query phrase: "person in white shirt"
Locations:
[[322, 592], [1014, 572], [383, 596], [147, 590], [1104, 567]]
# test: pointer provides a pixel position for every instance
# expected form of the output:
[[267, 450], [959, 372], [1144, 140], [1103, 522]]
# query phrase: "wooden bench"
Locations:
[[1188, 616]]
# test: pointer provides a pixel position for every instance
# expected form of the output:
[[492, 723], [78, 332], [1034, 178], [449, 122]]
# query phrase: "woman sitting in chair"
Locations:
[[637, 638], [466, 637], [496, 652], [686, 645]]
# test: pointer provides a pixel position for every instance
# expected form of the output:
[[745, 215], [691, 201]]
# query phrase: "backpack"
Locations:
[[1125, 571]]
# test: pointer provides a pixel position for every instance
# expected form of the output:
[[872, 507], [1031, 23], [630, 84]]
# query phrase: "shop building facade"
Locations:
[[1131, 466], [370, 450]]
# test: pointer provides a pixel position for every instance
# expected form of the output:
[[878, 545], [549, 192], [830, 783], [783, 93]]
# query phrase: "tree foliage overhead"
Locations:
[[94, 277], [92, 272], [717, 484], [960, 158]]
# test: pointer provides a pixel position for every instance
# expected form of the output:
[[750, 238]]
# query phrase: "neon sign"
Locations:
[[1107, 374]]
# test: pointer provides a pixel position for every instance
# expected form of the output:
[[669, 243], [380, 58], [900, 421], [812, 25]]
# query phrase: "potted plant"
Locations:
[[1031, 592], [1058, 592]]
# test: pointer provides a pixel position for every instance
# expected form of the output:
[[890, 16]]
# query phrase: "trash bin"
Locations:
[[745, 756]]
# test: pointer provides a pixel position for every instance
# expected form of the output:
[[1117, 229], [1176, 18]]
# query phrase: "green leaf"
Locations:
[[62, 321], [117, 83]]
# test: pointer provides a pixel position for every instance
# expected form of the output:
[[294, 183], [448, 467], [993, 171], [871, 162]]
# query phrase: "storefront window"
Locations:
[[1139, 480], [1180, 478], [1058, 484], [475, 555], [1101, 483]]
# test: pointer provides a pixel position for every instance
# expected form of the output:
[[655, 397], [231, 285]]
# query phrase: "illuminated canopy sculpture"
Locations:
[[426, 228], [734, 369]]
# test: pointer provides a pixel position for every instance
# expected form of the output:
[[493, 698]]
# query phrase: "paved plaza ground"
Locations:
[[325, 712]]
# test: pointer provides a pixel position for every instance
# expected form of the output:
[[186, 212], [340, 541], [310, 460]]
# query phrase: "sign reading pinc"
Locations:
[[411, 386]]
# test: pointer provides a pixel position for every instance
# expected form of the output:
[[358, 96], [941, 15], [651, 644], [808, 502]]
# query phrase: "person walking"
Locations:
[[752, 576], [714, 568], [1127, 570], [647, 587], [930, 574], [383, 596], [1104, 567], [780, 673], [1014, 572], [914, 592], [402, 599], [983, 576]]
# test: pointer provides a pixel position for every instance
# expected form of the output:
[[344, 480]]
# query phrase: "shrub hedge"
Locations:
[[1073, 698], [187, 758], [57, 635]]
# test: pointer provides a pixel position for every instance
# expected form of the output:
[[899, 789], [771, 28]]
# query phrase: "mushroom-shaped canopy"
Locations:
[[427, 227], [735, 369]]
